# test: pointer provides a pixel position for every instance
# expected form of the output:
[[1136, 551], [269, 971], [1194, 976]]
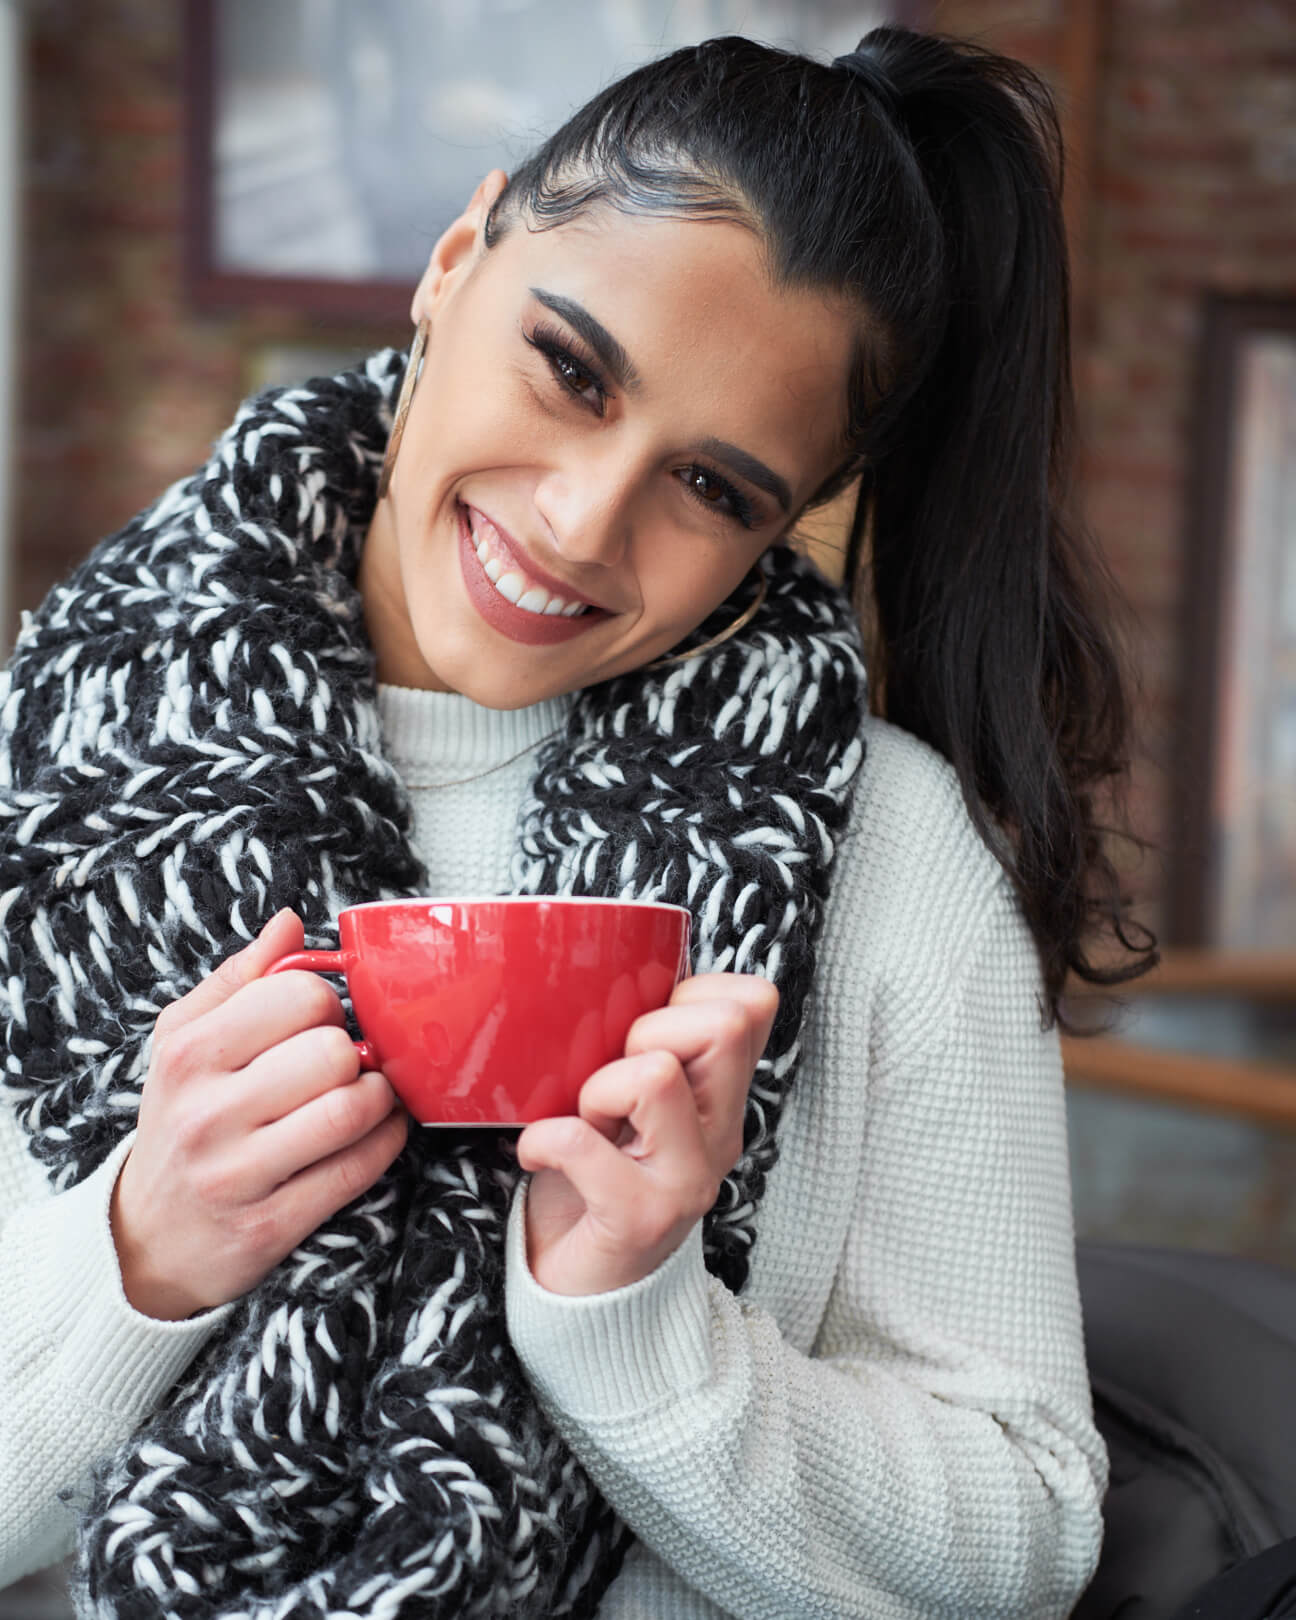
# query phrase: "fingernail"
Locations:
[[269, 924]]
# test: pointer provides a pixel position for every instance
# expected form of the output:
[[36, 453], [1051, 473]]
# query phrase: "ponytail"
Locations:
[[993, 610], [920, 177]]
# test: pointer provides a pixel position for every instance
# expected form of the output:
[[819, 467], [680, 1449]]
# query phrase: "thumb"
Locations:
[[282, 934]]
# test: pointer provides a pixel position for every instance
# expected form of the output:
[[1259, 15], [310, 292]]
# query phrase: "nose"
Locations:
[[587, 503]]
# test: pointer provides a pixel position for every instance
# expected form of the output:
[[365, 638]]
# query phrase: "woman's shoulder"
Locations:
[[914, 884], [909, 812]]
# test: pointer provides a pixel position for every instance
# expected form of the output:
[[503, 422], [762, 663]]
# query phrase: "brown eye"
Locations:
[[573, 374], [717, 493]]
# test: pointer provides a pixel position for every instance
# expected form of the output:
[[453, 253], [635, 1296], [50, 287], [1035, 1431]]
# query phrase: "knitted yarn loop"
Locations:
[[191, 741]]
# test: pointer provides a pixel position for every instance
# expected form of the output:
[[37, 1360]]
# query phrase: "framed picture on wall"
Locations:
[[330, 141], [1236, 881]]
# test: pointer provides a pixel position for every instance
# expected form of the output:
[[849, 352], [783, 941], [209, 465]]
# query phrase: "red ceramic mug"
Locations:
[[496, 1012]]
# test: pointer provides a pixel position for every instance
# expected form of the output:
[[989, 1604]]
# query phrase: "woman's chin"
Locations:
[[499, 679]]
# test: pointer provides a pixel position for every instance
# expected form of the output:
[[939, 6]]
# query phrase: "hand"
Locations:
[[255, 1125], [616, 1189]]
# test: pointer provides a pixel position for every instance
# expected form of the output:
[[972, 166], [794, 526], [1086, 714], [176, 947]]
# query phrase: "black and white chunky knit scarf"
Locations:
[[191, 741]]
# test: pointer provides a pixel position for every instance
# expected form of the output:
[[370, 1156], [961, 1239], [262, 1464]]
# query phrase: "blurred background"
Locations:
[[209, 196]]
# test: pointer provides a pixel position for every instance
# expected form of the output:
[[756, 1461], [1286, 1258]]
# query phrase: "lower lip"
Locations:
[[535, 629]]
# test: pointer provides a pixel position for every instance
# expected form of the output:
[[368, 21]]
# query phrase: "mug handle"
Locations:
[[325, 962]]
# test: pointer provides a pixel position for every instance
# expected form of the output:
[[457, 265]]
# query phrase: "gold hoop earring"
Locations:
[[403, 400], [744, 618]]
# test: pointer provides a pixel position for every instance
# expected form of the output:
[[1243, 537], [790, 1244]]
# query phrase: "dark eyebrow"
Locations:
[[746, 466], [598, 337], [623, 372]]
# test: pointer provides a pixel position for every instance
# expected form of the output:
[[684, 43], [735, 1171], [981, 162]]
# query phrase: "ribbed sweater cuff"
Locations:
[[597, 1357], [122, 1361]]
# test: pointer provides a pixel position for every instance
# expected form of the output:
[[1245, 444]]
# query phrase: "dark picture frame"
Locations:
[[377, 289], [1234, 865]]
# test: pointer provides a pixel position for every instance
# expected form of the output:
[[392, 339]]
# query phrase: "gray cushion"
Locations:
[[1193, 1363]]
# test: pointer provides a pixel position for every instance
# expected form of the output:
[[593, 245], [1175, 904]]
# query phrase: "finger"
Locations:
[[645, 1107], [716, 1029], [290, 1074], [282, 934], [714, 1039], [630, 1204], [718, 1044], [317, 1132], [255, 1019], [604, 1178], [305, 1200], [758, 995]]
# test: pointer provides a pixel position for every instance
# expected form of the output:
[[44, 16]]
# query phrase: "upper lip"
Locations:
[[526, 562]]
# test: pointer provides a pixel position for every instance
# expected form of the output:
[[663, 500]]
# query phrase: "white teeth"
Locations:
[[516, 589], [511, 586]]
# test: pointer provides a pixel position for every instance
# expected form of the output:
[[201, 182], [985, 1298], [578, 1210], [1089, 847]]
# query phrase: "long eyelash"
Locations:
[[550, 343], [740, 505]]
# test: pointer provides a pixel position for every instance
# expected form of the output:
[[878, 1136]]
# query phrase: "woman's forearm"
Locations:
[[79, 1367], [781, 1485]]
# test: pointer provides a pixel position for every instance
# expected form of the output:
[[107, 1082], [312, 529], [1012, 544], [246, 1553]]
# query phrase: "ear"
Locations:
[[456, 247]]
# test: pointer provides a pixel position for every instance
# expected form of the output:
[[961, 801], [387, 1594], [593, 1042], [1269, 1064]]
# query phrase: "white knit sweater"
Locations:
[[893, 1420]]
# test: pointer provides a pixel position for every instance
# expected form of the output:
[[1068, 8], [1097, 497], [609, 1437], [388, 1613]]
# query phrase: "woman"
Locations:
[[785, 1323]]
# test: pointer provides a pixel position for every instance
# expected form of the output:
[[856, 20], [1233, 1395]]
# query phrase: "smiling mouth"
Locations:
[[510, 580], [513, 595]]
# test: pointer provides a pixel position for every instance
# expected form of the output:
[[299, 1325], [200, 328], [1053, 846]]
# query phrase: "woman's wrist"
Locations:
[[594, 1356], [146, 1291]]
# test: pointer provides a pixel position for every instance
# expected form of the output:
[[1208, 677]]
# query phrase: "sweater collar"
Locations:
[[442, 737]]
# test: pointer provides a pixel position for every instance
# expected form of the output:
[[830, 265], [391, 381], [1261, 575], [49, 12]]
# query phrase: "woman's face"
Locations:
[[615, 418]]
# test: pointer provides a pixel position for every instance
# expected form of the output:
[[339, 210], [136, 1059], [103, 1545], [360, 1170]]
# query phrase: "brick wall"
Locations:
[[1181, 114], [1196, 190]]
